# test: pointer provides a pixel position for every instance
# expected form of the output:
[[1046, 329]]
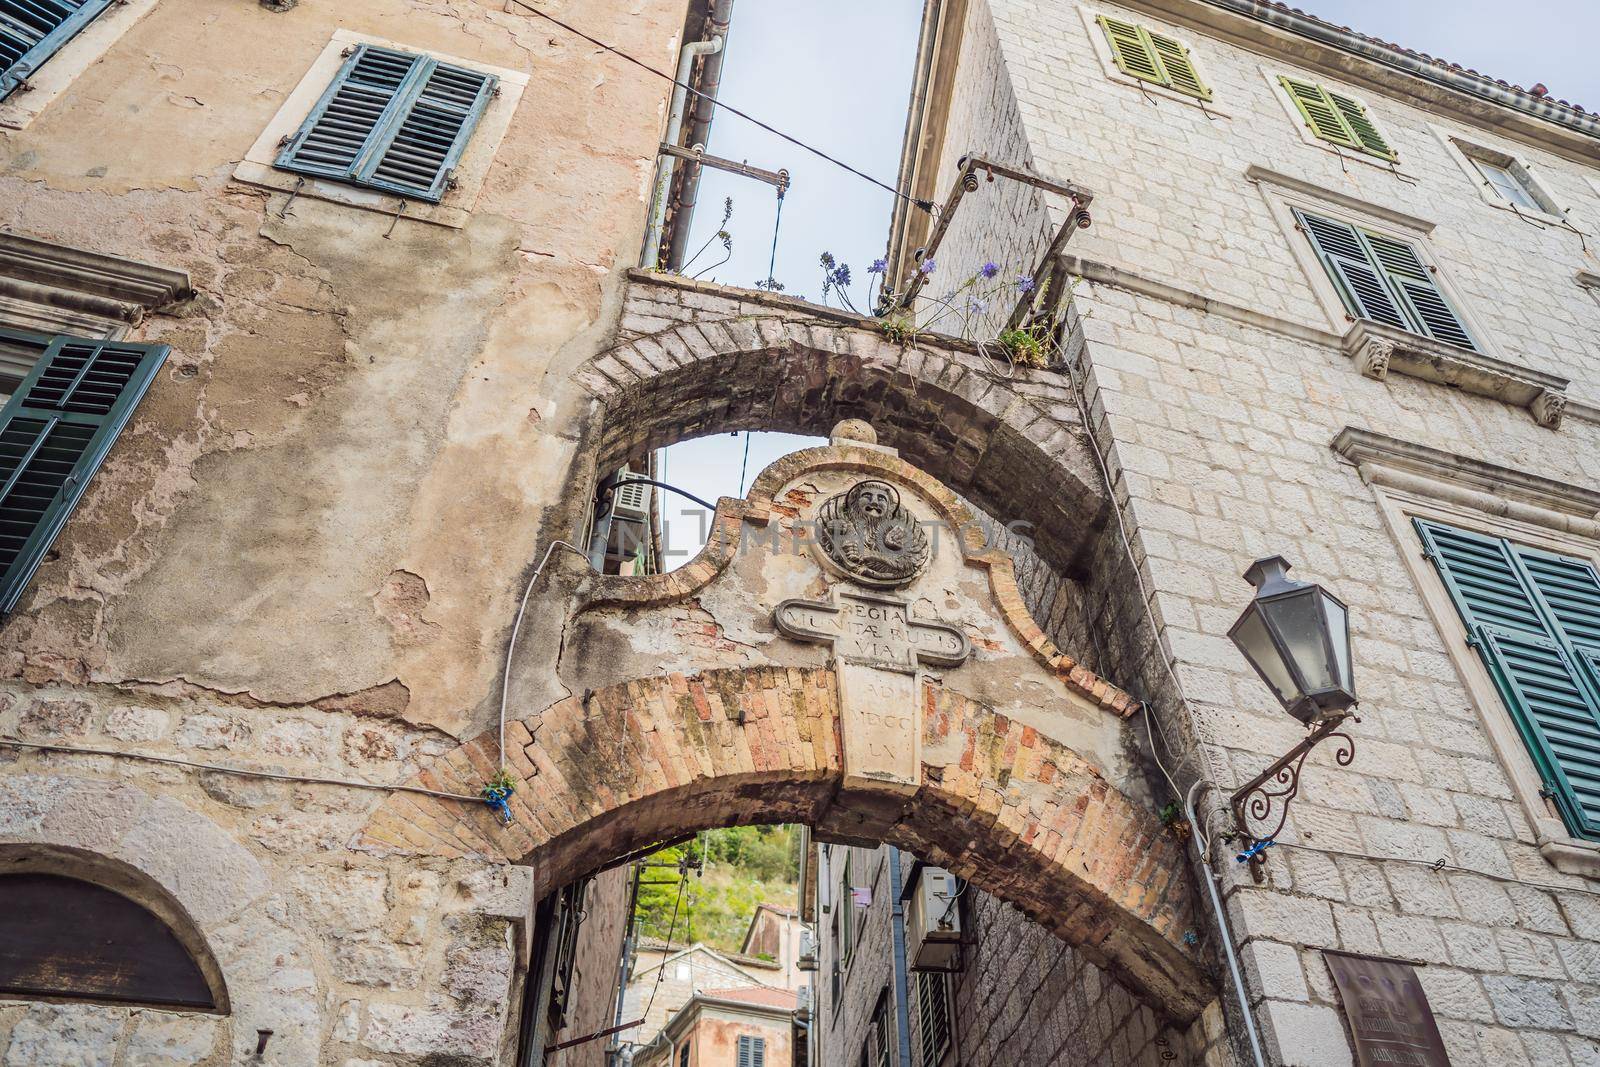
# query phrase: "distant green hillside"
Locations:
[[744, 866]]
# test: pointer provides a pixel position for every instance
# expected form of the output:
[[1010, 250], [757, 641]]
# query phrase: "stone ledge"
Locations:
[[1378, 349], [61, 289], [1368, 450], [1572, 857]]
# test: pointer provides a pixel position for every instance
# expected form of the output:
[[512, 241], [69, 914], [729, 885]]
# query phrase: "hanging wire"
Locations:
[[744, 465], [925, 205]]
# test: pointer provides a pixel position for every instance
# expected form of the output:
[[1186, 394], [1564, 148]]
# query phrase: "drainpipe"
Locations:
[[902, 995], [666, 164], [1209, 876], [700, 129]]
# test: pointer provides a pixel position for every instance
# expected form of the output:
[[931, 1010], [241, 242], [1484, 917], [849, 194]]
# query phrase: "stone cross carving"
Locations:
[[878, 651]]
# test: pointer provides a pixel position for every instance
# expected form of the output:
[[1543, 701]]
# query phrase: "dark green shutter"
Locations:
[[1412, 282], [1358, 279], [31, 31], [393, 121], [1534, 618], [54, 433], [1383, 279]]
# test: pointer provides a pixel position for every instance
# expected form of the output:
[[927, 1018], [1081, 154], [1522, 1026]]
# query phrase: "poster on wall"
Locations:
[[1388, 1012]]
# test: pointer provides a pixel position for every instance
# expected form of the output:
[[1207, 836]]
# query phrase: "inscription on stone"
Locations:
[[878, 650]]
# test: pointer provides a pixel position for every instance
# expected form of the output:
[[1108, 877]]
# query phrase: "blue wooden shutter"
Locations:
[[54, 433], [1534, 619], [1360, 281], [391, 120], [32, 30]]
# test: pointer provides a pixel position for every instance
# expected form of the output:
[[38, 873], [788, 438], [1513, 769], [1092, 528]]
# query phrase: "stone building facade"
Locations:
[[314, 601], [1244, 408]]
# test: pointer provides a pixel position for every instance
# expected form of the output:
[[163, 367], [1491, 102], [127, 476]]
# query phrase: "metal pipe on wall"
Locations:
[[700, 129], [666, 164]]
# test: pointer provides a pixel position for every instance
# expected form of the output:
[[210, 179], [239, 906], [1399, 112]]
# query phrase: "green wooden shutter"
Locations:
[[933, 1017], [393, 121], [1360, 126], [1412, 283], [1319, 112], [1534, 619], [1336, 118], [1131, 49], [31, 31], [54, 433], [1178, 67], [752, 1051], [1354, 271]]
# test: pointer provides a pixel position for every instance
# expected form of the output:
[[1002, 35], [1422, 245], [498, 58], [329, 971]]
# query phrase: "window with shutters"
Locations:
[[55, 431], [1533, 618], [1384, 279], [752, 1051], [933, 1017], [683, 1055], [1502, 179], [377, 125], [1338, 119], [45, 44], [31, 31], [391, 120], [880, 1034], [1143, 54]]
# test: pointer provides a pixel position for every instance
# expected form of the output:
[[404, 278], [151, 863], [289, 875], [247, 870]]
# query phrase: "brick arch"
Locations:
[[1024, 817], [741, 361]]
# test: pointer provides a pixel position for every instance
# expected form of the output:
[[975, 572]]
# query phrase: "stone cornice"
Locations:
[[1379, 349], [82, 284], [1257, 173], [1380, 458]]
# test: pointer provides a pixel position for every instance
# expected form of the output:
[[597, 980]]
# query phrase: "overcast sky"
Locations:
[[837, 74]]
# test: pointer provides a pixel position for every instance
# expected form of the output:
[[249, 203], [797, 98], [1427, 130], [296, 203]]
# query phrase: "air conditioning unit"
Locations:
[[807, 960], [630, 501], [933, 921], [802, 1008]]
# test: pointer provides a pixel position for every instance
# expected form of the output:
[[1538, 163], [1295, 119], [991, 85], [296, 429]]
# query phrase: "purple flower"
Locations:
[[878, 266], [841, 276], [927, 267], [989, 270], [1024, 283]]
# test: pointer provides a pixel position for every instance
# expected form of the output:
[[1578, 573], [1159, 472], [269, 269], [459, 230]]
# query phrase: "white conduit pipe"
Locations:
[[1207, 875], [516, 628], [665, 163]]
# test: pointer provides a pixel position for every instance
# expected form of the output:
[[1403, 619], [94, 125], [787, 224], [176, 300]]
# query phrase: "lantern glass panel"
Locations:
[[1298, 620], [1339, 636], [1250, 634]]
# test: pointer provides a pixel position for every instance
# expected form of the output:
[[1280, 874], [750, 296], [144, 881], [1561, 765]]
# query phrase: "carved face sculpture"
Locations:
[[870, 536], [873, 500]]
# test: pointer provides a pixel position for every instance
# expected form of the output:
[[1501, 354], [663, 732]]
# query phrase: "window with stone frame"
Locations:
[[393, 121], [1384, 279], [1505, 180]]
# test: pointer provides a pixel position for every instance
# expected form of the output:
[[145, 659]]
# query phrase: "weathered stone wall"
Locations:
[[592, 1006], [304, 553], [1218, 427]]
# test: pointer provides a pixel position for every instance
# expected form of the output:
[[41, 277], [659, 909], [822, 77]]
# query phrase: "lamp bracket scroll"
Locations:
[[1261, 807]]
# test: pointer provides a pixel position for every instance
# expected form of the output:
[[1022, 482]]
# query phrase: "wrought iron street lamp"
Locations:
[[1297, 637]]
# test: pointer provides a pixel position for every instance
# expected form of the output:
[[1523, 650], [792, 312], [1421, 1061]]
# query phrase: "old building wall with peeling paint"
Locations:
[[306, 549]]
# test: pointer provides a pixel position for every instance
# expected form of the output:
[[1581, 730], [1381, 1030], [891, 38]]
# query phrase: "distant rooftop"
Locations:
[[764, 996]]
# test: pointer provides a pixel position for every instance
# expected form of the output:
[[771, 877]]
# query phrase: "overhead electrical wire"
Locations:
[[925, 205]]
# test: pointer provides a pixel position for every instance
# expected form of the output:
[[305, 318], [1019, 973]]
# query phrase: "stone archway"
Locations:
[[1025, 818], [694, 358], [717, 694]]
